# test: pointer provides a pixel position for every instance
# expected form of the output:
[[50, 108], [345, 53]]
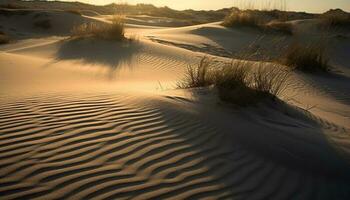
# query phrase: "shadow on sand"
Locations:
[[286, 134], [112, 54], [158, 148]]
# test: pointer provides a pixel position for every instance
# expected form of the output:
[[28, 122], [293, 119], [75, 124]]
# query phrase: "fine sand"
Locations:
[[94, 119]]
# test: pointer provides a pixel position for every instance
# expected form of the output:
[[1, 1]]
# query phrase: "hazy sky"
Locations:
[[298, 5]]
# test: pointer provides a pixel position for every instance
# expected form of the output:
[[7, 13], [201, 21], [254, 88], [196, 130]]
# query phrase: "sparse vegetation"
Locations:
[[307, 57], [243, 19], [43, 24], [197, 76], [239, 82], [113, 31], [190, 16], [12, 6], [233, 84], [13, 12], [261, 20], [4, 39], [335, 19], [243, 85]]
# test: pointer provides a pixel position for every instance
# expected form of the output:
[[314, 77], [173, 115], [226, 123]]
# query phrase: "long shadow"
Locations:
[[288, 135], [182, 151], [290, 139], [254, 45], [112, 54]]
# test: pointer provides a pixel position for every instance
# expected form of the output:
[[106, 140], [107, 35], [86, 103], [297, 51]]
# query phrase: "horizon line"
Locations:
[[189, 8]]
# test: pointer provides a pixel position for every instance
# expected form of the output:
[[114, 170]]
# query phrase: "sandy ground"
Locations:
[[93, 119]]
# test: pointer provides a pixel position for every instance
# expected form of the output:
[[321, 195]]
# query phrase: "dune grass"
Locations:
[[112, 31], [197, 76], [243, 85], [239, 82], [4, 39], [243, 19], [338, 20], [307, 57], [260, 20], [12, 6]]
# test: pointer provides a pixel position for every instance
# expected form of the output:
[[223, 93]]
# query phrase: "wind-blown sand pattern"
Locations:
[[76, 123], [99, 147]]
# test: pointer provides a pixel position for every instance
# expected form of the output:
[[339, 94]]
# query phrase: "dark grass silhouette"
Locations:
[[243, 19], [238, 82], [307, 57], [335, 19], [265, 21], [198, 76], [112, 31]]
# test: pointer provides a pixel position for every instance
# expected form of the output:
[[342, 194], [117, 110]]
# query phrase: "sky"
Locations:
[[315, 6]]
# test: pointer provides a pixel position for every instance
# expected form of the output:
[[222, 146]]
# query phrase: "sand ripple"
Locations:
[[119, 146]]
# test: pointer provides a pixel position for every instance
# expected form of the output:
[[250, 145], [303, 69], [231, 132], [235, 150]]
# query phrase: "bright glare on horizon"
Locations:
[[297, 5]]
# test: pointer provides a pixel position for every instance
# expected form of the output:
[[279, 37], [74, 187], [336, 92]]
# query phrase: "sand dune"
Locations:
[[39, 23], [119, 146], [93, 119]]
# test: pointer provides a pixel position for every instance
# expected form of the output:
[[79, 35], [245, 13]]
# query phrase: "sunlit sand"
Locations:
[[88, 118]]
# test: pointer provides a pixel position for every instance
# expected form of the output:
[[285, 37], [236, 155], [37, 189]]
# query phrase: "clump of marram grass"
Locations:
[[335, 19], [257, 20], [197, 76], [239, 82], [270, 80], [112, 31], [233, 84], [307, 57], [4, 39], [12, 6], [242, 19]]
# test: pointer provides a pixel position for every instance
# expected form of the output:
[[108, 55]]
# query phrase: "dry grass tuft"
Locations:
[[260, 20], [12, 6], [113, 31], [335, 19], [197, 76], [233, 84], [270, 80], [242, 19], [308, 58], [238, 82], [242, 85]]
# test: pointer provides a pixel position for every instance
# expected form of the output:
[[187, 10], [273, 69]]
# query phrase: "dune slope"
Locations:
[[94, 119]]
